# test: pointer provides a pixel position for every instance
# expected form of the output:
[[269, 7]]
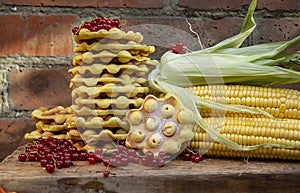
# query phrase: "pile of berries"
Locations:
[[194, 157], [52, 153], [178, 48], [124, 156], [97, 24], [60, 153]]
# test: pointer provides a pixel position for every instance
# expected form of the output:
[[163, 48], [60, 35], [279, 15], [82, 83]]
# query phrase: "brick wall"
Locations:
[[36, 43]]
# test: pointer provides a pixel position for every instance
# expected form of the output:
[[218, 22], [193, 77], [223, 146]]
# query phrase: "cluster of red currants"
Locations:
[[194, 157], [60, 153], [97, 24], [178, 48], [124, 156], [52, 153]]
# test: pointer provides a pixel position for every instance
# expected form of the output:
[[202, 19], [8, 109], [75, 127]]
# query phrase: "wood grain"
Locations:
[[211, 175]]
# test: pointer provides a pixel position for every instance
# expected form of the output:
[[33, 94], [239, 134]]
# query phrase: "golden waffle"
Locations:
[[94, 138], [74, 134], [106, 57], [138, 68], [121, 102], [114, 33], [86, 111], [70, 122], [59, 114], [53, 127], [110, 90], [37, 134], [99, 122], [80, 80], [160, 125], [115, 47]]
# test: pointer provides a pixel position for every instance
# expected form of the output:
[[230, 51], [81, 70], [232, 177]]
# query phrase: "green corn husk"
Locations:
[[226, 62]]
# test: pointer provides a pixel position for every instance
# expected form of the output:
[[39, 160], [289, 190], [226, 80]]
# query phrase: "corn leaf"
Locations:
[[217, 69], [237, 40]]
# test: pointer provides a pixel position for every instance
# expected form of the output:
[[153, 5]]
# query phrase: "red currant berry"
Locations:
[[99, 19], [106, 173], [32, 157], [22, 157], [59, 164], [72, 149], [74, 156], [149, 155], [50, 168], [106, 162], [98, 157], [67, 163], [107, 27], [161, 162], [131, 152], [98, 151], [187, 157], [92, 160], [198, 159], [43, 162], [162, 155], [115, 23]]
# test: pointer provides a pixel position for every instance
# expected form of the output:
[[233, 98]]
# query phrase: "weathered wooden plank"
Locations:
[[211, 175]]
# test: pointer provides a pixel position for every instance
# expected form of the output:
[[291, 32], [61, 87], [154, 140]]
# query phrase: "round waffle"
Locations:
[[114, 33], [86, 111], [115, 47], [160, 125], [106, 57], [120, 102], [80, 80], [99, 122], [110, 90], [136, 68], [57, 114]]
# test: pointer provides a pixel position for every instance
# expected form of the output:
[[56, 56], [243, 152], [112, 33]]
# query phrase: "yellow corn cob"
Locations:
[[251, 131], [279, 102]]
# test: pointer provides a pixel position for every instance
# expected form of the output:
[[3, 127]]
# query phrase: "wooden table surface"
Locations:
[[178, 176]]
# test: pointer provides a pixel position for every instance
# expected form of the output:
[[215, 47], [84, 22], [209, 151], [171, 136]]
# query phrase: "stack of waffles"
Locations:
[[109, 78], [56, 122]]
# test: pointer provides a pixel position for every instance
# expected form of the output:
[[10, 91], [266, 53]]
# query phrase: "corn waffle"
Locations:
[[80, 80], [121, 102], [37, 134], [137, 68], [59, 114], [99, 122], [115, 47], [106, 57], [114, 33], [110, 90], [160, 125], [86, 111], [53, 127]]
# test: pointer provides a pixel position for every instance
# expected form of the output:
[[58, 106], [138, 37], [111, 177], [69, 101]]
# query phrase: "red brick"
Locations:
[[161, 31], [91, 3], [215, 4], [36, 35], [279, 4], [33, 88], [12, 133], [275, 30], [239, 4]]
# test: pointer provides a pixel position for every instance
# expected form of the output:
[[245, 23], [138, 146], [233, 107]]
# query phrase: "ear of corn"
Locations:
[[248, 132], [227, 63], [279, 102]]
